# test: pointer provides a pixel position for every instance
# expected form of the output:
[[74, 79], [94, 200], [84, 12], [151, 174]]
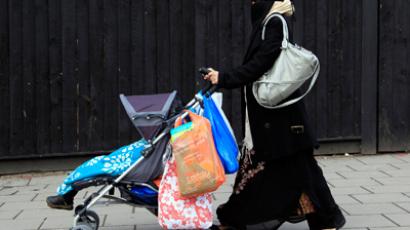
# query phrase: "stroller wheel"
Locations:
[[88, 221]]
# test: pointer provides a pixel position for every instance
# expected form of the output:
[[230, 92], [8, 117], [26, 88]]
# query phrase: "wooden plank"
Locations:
[[347, 74], [239, 22], [124, 81], [4, 79], [320, 115], [189, 72], [16, 78], [357, 65], [42, 78], [137, 54], [298, 26], [29, 77], [309, 39], [96, 59], [70, 71], [203, 12], [385, 73], [55, 75], [176, 30], [369, 73], [223, 58], [352, 37], [111, 74], [150, 48], [405, 76], [83, 60], [163, 45], [334, 77]]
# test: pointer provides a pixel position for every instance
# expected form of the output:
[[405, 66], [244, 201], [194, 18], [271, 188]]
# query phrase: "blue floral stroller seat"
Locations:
[[111, 165]]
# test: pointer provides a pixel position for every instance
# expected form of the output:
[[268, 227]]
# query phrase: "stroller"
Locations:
[[153, 116]]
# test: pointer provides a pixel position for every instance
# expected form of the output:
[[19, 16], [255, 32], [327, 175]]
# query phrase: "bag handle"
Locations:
[[285, 40], [191, 116], [285, 44], [178, 122]]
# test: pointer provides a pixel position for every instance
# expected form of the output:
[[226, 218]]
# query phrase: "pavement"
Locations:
[[373, 191]]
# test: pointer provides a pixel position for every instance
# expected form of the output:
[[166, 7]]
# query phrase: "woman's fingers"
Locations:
[[212, 76]]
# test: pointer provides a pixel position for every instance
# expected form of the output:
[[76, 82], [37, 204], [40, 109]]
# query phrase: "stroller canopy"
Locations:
[[148, 112]]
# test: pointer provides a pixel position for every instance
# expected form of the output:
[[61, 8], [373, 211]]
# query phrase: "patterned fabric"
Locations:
[[176, 212], [111, 165], [305, 205], [247, 170]]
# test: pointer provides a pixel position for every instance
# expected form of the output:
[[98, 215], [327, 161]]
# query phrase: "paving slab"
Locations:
[[361, 174], [29, 214], [148, 227], [368, 209], [7, 191], [400, 219], [394, 228], [19, 198], [370, 168], [129, 227], [23, 205], [55, 178], [398, 173], [345, 199], [9, 215], [65, 222], [18, 182], [395, 180], [140, 216], [20, 224], [404, 205], [388, 188], [349, 191], [381, 198], [354, 182], [364, 221], [380, 159]]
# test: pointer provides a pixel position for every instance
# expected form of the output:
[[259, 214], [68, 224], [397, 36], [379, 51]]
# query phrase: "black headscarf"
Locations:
[[259, 11]]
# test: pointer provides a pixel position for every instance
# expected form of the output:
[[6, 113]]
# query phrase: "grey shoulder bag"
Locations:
[[294, 66]]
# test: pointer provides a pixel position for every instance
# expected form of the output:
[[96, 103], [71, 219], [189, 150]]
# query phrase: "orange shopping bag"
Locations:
[[199, 169]]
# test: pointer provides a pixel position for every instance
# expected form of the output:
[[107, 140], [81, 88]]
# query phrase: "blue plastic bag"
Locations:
[[224, 140]]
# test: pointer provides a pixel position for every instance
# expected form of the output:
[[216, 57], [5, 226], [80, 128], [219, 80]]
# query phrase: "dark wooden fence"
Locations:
[[64, 62]]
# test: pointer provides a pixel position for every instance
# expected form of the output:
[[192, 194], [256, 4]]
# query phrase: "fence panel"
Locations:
[[394, 76]]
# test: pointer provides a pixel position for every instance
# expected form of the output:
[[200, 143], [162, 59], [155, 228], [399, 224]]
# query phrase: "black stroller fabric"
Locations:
[[150, 114], [152, 167]]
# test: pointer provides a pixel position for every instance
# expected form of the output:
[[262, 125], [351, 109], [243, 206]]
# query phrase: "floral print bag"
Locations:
[[177, 212]]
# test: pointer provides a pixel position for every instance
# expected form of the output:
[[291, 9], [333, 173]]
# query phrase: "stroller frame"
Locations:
[[86, 219]]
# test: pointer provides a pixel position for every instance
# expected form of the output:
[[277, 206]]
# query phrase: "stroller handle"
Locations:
[[210, 88]]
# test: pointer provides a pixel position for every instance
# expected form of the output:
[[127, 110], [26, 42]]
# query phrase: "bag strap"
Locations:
[[285, 28], [179, 120], [285, 42]]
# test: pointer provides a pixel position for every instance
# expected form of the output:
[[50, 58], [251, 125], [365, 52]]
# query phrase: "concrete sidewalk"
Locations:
[[374, 192]]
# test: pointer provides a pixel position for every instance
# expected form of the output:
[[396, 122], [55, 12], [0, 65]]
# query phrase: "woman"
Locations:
[[278, 179]]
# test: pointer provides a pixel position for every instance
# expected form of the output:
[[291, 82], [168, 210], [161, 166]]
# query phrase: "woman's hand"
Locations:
[[212, 76]]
